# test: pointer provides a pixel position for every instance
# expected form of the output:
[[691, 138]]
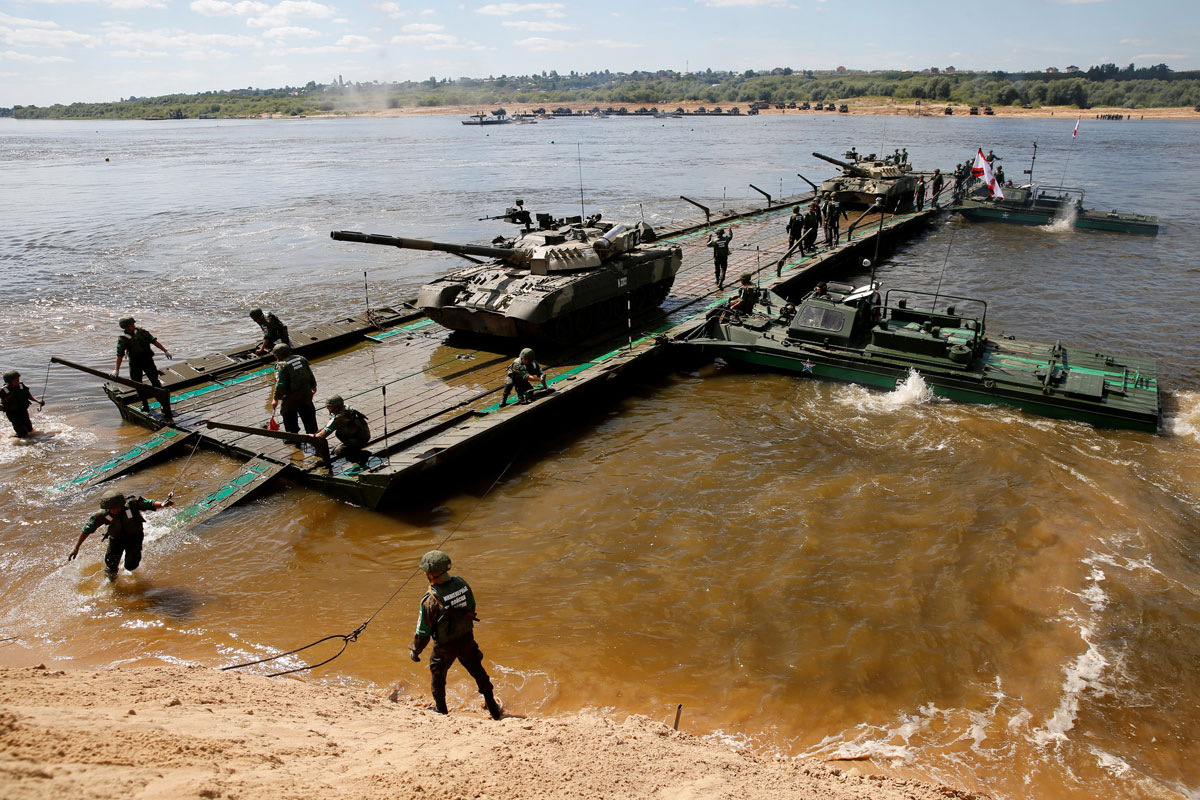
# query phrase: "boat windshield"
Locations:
[[822, 319]]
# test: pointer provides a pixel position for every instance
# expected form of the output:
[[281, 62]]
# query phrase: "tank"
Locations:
[[865, 178], [560, 281]]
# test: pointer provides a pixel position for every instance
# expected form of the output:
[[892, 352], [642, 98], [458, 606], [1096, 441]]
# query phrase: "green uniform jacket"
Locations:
[[294, 379], [447, 611], [274, 330], [126, 523], [350, 427], [15, 400], [137, 345]]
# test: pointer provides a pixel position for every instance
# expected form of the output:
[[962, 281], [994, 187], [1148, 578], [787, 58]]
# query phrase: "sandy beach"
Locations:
[[185, 732]]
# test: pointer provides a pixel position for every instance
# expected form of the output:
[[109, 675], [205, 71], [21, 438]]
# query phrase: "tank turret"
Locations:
[[564, 281], [865, 179]]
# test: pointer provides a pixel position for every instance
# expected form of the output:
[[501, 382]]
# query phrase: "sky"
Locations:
[[62, 51]]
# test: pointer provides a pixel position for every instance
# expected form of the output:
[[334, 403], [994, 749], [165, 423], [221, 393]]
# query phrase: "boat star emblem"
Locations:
[[808, 366]]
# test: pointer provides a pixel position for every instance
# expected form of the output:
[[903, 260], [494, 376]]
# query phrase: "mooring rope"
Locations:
[[353, 635]]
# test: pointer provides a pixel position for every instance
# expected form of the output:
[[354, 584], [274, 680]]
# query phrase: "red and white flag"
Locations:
[[1075, 132], [982, 169]]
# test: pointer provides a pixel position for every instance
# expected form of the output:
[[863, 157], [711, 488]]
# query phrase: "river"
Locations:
[[969, 594]]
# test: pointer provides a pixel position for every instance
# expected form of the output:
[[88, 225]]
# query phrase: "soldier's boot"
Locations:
[[439, 703], [493, 708], [504, 397]]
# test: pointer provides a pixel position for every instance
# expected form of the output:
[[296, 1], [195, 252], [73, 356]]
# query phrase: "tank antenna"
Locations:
[[579, 160]]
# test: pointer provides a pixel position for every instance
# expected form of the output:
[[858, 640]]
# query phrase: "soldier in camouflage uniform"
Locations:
[[123, 516], [520, 376], [720, 246], [274, 331], [16, 398], [136, 343], [351, 429], [447, 615], [295, 386]]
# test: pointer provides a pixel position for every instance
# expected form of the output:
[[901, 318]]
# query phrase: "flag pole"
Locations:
[[1074, 136]]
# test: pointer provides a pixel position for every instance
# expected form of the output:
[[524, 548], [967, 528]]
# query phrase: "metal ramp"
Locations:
[[254, 475], [153, 448]]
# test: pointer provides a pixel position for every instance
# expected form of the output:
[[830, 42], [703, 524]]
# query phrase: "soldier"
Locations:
[[720, 246], [16, 398], [447, 614], [273, 331], [747, 295], [812, 221], [795, 227], [295, 386], [903, 156], [833, 220], [920, 201], [124, 520], [992, 158], [137, 342], [351, 428], [520, 371], [936, 187]]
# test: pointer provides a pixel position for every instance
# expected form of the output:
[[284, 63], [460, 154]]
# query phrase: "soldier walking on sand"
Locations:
[[136, 343], [447, 615], [123, 516], [15, 398]]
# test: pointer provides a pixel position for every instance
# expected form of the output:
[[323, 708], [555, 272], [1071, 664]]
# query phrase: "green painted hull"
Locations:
[[1141, 410], [1114, 222]]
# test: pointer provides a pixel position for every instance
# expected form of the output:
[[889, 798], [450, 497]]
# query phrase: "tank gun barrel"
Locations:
[[483, 251], [834, 161]]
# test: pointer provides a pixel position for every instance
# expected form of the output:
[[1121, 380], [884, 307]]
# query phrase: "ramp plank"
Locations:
[[137, 456], [255, 474]]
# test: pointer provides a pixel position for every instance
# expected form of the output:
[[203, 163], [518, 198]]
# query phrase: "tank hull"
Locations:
[[496, 300]]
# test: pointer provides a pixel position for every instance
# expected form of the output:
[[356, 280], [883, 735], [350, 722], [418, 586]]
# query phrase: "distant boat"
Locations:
[[484, 119]]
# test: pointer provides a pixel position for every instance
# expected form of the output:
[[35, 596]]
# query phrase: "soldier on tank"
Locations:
[[16, 398], [136, 343], [520, 376], [295, 386], [273, 330], [123, 516], [720, 246], [351, 428], [447, 615]]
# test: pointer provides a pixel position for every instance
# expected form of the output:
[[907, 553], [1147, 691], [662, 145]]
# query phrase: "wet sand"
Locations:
[[186, 732]]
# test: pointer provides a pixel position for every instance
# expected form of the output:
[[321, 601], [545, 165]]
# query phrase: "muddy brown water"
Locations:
[[968, 594]]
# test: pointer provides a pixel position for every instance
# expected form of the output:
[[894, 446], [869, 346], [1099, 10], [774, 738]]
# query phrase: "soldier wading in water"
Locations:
[[124, 520], [447, 614]]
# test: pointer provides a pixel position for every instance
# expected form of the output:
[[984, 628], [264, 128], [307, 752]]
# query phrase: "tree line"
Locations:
[[1104, 85]]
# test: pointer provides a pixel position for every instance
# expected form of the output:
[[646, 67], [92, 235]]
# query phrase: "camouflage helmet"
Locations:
[[435, 563], [256, 313], [111, 499], [335, 401], [11, 375], [282, 350], [125, 322], [746, 277], [527, 354]]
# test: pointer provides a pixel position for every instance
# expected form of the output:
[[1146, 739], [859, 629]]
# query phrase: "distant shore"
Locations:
[[896, 108]]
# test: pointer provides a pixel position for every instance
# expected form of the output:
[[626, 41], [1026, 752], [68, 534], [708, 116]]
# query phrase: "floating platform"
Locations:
[[431, 395]]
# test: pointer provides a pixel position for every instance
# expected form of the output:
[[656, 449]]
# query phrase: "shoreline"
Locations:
[[192, 731], [863, 109]]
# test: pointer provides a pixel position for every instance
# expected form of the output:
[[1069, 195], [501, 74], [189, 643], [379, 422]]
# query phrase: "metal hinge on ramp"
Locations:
[[256, 473]]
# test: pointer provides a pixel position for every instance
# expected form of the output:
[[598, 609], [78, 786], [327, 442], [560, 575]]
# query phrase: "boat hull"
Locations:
[[1114, 222], [985, 383]]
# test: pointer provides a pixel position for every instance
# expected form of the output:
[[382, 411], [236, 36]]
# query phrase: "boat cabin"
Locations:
[[834, 313], [929, 326]]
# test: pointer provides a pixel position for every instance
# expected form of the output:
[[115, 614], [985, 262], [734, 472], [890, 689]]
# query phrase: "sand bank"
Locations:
[[185, 732]]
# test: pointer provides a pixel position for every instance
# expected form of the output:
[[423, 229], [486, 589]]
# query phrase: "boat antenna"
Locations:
[[1029, 171], [579, 160], [943, 275]]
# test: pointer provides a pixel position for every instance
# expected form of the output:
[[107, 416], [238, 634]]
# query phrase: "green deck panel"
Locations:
[[154, 447], [255, 474]]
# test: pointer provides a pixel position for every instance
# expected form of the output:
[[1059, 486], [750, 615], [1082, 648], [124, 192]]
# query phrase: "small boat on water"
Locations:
[[484, 119], [1036, 205], [854, 334]]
